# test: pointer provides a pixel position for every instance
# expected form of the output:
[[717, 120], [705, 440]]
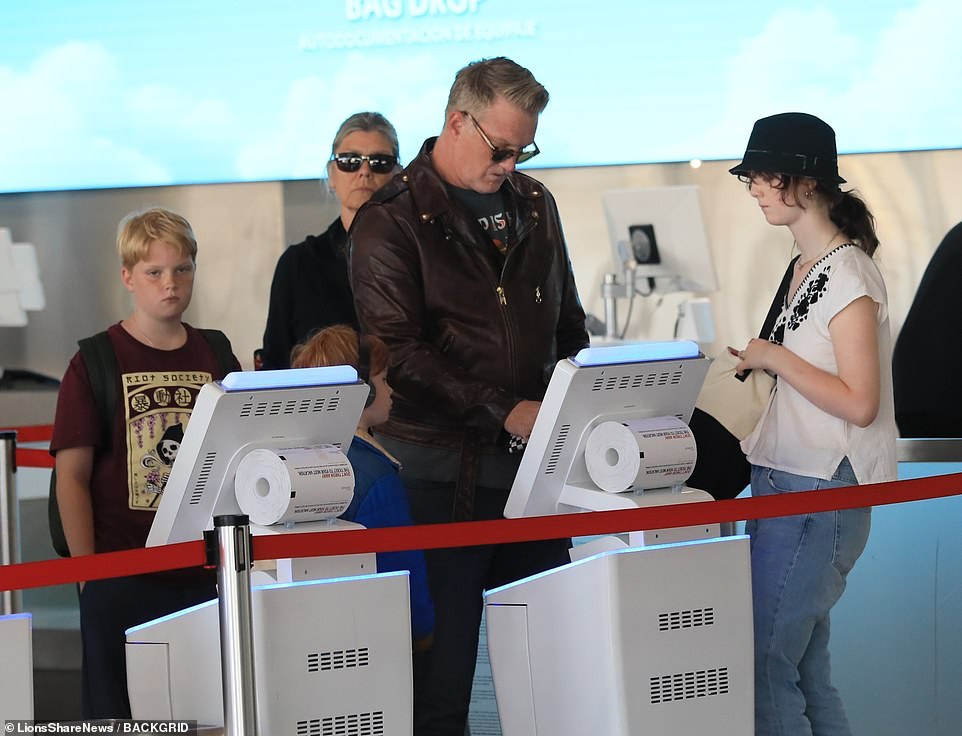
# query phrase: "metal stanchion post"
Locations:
[[234, 560], [610, 293], [10, 600]]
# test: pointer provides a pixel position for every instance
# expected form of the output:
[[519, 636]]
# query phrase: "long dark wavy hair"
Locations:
[[845, 208]]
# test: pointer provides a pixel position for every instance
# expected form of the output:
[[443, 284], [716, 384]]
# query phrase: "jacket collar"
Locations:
[[433, 200]]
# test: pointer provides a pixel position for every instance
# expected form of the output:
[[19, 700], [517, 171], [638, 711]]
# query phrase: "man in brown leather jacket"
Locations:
[[459, 264]]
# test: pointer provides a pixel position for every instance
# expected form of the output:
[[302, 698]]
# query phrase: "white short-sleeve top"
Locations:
[[793, 434]]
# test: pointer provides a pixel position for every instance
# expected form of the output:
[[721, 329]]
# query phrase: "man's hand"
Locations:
[[520, 420]]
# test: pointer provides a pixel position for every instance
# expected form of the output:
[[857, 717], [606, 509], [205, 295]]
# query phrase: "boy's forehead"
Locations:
[[164, 250]]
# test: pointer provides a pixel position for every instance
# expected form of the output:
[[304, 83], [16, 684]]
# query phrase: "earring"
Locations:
[[809, 194]]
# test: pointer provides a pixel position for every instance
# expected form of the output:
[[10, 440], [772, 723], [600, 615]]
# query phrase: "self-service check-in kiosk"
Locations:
[[650, 633], [331, 655]]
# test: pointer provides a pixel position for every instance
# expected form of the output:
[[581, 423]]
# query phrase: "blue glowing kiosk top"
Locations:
[[289, 378], [641, 352]]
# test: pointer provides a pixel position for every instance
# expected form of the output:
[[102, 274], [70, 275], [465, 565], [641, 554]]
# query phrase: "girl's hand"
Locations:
[[757, 354]]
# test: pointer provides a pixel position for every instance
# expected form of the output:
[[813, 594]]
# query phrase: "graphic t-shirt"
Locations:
[[155, 398], [490, 212]]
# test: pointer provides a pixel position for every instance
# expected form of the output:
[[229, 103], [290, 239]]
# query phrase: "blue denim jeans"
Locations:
[[799, 566]]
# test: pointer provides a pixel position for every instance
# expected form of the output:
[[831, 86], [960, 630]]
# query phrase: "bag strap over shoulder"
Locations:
[[776, 307], [220, 345], [773, 311], [100, 360]]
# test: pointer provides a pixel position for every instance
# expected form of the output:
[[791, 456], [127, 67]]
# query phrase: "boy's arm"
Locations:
[[74, 470]]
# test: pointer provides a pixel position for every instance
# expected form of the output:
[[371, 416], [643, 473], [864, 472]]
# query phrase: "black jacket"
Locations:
[[311, 290], [471, 333]]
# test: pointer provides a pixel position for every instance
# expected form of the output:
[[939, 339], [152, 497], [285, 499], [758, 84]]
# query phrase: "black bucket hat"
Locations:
[[793, 143]]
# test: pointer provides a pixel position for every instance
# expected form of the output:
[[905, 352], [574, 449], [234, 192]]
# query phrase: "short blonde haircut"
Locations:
[[338, 345], [139, 229]]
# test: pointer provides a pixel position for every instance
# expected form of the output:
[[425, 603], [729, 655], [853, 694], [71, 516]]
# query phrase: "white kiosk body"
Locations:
[[653, 640], [16, 668], [331, 657], [649, 636]]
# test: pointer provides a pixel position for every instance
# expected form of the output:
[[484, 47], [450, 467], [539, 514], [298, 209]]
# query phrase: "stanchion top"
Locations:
[[231, 520]]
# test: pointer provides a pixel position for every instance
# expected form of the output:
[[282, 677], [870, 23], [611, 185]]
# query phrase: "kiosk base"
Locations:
[[653, 640], [330, 656]]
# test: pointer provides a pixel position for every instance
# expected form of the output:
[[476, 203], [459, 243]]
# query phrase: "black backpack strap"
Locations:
[[220, 345], [100, 361]]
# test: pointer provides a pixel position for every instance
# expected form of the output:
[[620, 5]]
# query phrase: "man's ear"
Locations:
[[126, 276], [455, 122]]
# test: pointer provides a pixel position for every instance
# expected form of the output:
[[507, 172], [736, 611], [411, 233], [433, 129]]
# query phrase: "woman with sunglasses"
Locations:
[[830, 422], [311, 288]]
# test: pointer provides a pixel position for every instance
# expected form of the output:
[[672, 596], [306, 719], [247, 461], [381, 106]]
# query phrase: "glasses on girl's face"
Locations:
[[349, 162], [503, 154]]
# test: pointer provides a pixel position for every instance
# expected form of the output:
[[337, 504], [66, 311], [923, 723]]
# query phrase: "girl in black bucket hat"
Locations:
[[830, 421]]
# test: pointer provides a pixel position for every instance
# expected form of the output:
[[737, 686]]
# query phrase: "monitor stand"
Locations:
[[587, 497], [292, 570]]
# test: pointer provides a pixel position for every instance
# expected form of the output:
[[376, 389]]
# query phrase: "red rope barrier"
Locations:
[[33, 458], [464, 534], [105, 565], [36, 433]]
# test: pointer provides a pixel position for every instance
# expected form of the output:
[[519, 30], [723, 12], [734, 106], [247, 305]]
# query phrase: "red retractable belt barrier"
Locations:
[[37, 433], [30, 457], [464, 534], [33, 458]]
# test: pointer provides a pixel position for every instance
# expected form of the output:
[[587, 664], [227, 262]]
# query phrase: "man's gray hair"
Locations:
[[480, 83]]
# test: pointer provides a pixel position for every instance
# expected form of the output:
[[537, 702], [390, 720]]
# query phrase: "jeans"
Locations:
[[799, 566]]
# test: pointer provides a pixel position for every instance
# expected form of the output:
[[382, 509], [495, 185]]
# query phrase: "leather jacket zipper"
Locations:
[[527, 227]]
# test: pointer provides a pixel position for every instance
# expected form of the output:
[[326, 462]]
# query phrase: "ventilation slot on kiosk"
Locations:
[[688, 685]]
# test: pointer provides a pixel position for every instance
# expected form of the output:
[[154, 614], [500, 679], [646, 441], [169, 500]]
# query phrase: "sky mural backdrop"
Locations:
[[103, 93]]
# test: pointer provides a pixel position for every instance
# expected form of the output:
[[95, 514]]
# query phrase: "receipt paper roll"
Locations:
[[294, 484], [640, 454]]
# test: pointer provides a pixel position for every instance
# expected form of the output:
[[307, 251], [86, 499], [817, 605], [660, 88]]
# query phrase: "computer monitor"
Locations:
[[612, 383], [243, 412], [658, 234]]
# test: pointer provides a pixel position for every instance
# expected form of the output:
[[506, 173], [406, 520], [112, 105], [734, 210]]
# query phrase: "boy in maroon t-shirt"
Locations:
[[108, 487]]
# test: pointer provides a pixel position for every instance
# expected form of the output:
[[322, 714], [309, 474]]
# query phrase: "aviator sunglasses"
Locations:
[[349, 162], [503, 154]]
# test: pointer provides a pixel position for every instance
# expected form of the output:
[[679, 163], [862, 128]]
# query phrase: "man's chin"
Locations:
[[490, 186]]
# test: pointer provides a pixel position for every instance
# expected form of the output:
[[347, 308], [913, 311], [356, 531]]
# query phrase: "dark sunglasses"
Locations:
[[349, 162], [503, 154]]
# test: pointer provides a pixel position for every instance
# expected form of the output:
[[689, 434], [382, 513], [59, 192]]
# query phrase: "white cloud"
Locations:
[[914, 80], [909, 80], [164, 109], [315, 106], [69, 121]]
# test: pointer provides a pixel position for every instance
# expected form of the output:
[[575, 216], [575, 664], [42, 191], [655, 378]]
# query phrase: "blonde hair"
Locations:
[[139, 229], [339, 345]]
